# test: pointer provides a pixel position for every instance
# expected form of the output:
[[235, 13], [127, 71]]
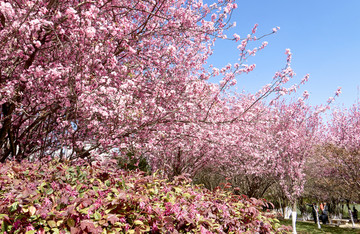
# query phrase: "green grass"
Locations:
[[346, 211], [310, 228]]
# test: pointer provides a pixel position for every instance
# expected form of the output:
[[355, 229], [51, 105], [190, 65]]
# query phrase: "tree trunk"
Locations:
[[281, 209], [317, 217], [293, 216], [351, 216]]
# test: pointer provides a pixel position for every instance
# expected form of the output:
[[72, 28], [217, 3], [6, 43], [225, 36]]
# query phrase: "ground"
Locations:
[[311, 228]]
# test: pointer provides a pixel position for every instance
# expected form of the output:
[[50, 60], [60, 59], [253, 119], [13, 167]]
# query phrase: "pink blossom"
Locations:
[[338, 91], [236, 36], [254, 28], [35, 24], [227, 9], [213, 17], [330, 100], [131, 50], [70, 12], [37, 43], [216, 71], [276, 29], [306, 94], [264, 44], [305, 79], [7, 9], [171, 49], [23, 78], [90, 32]]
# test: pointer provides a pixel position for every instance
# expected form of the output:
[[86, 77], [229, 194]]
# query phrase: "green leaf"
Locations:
[[14, 207], [118, 224], [34, 217], [145, 229], [138, 222], [124, 184], [32, 210], [71, 222], [114, 190], [78, 170], [178, 190], [4, 216], [49, 191], [51, 223], [30, 232], [42, 185], [78, 187], [151, 191], [97, 216], [102, 222], [109, 210], [3, 227], [58, 223], [84, 211]]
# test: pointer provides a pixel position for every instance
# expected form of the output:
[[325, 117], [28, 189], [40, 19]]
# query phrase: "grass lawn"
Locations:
[[310, 228]]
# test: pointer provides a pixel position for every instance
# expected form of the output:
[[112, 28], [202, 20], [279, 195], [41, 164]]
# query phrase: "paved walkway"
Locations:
[[349, 225]]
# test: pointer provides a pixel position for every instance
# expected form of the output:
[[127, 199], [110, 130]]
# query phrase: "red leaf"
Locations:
[[112, 219]]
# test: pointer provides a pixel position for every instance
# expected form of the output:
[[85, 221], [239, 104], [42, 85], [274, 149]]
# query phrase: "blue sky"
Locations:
[[324, 37]]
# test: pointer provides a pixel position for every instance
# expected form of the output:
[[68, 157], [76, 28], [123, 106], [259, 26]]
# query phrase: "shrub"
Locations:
[[74, 197]]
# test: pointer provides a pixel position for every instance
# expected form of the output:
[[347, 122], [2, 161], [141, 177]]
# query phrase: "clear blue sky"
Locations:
[[323, 35]]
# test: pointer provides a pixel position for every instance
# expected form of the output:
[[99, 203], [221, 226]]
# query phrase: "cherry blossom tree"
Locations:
[[81, 78], [337, 164], [343, 145], [87, 76]]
